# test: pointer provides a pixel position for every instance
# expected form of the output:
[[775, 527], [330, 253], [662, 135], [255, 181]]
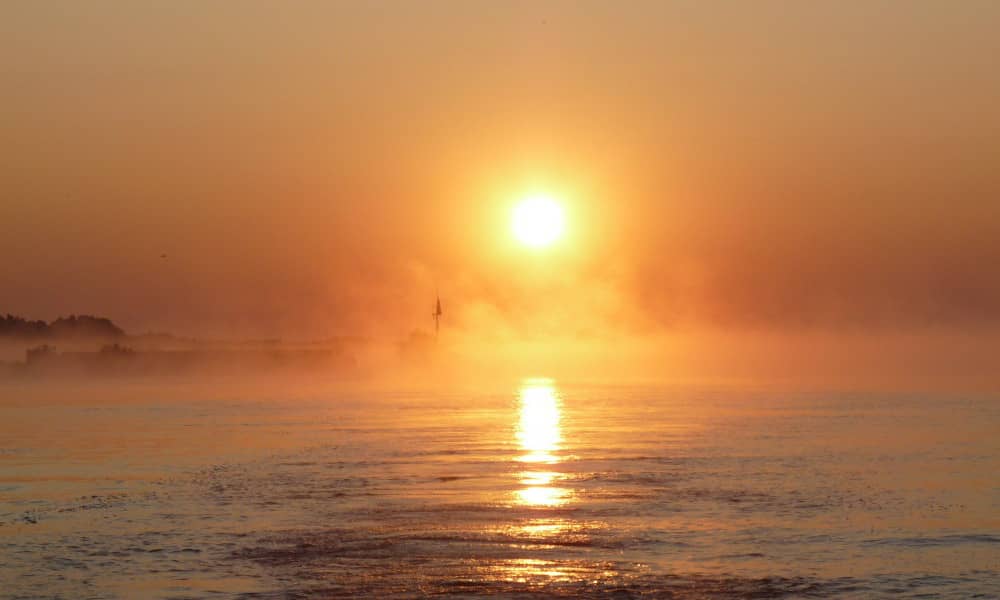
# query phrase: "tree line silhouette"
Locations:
[[73, 326]]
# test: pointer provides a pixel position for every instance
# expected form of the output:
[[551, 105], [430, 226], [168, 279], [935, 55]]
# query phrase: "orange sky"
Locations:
[[318, 168]]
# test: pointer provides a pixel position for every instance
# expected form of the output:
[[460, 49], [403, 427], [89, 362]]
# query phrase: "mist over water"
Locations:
[[533, 487], [521, 299]]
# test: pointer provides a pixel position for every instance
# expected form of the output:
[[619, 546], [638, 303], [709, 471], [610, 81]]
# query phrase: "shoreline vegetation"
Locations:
[[85, 345], [71, 327]]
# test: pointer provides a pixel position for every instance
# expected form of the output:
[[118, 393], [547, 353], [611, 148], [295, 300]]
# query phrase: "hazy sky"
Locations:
[[315, 168]]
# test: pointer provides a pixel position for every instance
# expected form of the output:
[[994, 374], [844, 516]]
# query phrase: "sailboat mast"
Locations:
[[437, 317]]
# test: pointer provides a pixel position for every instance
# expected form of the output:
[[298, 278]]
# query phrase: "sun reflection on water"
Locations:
[[538, 477], [542, 496], [538, 431], [529, 570], [540, 437], [541, 528]]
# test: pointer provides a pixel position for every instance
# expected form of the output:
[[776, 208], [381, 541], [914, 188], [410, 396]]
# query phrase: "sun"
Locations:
[[537, 221]]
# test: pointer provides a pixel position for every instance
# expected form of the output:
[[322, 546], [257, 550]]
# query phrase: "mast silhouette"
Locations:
[[437, 317]]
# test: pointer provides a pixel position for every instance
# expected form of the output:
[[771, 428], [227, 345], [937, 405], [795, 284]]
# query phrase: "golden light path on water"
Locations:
[[540, 438], [539, 435]]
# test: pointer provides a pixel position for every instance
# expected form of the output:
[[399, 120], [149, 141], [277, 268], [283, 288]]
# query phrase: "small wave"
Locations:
[[532, 578], [944, 540]]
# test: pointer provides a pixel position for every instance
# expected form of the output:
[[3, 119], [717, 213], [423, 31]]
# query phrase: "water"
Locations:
[[535, 489]]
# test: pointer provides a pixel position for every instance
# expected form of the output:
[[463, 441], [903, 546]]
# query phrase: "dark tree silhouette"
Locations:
[[73, 326]]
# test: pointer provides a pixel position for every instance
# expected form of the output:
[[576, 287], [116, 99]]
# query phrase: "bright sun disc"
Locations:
[[538, 221]]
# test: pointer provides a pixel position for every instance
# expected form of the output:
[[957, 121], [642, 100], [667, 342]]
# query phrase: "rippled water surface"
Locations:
[[536, 489]]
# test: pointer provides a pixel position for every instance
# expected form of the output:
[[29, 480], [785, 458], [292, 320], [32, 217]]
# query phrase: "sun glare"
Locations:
[[538, 221]]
